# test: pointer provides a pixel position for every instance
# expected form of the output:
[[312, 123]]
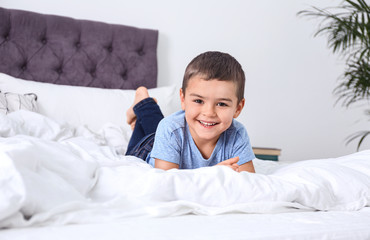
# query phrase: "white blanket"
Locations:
[[51, 173]]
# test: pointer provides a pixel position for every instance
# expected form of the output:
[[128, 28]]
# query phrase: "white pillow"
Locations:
[[10, 102], [93, 107]]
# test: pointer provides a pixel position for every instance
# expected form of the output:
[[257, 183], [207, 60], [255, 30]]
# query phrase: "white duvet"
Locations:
[[51, 173]]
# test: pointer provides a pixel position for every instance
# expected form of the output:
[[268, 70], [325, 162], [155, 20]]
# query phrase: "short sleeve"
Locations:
[[242, 147], [167, 143]]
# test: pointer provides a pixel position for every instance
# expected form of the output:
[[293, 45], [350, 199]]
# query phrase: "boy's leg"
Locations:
[[137, 135], [140, 94], [145, 115], [148, 115]]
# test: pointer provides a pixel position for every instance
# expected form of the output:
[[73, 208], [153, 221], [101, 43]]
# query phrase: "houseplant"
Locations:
[[347, 28]]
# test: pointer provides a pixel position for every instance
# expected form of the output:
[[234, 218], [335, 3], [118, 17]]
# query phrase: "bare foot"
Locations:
[[133, 124], [140, 94]]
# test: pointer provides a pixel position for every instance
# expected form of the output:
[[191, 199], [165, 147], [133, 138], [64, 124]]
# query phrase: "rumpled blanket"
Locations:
[[52, 173]]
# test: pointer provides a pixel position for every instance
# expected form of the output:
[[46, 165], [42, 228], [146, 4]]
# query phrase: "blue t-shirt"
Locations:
[[174, 143]]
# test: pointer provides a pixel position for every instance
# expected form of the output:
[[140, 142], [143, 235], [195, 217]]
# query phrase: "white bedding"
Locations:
[[295, 225], [91, 107], [52, 174]]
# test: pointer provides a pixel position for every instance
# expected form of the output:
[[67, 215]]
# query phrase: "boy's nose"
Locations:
[[209, 110]]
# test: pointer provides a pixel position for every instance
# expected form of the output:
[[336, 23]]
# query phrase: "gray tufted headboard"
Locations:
[[62, 50]]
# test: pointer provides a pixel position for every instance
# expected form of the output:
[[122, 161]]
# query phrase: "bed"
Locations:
[[65, 87]]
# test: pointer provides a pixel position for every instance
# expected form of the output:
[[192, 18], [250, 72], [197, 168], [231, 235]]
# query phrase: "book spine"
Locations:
[[267, 157]]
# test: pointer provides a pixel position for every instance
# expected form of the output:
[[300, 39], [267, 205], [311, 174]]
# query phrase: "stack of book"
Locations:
[[267, 153]]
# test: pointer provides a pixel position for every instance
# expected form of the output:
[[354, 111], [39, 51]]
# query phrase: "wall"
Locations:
[[290, 74]]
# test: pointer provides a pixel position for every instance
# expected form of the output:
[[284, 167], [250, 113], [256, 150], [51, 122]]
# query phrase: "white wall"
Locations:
[[290, 74]]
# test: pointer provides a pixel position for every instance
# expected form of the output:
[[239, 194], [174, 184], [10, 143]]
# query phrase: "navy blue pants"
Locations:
[[148, 115]]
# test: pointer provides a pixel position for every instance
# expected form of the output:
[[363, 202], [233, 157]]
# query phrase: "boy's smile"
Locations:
[[210, 106]]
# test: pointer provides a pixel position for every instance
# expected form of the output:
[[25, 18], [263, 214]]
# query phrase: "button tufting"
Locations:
[[24, 67], [44, 41], [110, 49], [93, 74], [124, 76], [141, 52], [78, 44], [6, 37]]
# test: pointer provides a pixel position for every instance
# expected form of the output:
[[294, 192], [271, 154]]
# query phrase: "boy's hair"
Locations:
[[216, 65]]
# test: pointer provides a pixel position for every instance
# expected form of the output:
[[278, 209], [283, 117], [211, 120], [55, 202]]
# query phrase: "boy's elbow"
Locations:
[[247, 167], [165, 165]]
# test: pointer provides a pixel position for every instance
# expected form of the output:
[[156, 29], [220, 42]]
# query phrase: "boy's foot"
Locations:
[[133, 124], [140, 94]]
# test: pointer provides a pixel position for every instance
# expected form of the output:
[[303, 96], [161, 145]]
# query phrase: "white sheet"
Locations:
[[296, 225], [52, 174]]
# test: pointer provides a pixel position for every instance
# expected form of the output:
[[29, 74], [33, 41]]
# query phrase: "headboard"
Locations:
[[63, 50]]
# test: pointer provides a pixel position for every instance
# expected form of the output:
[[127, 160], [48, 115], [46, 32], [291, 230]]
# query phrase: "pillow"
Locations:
[[10, 102], [93, 107]]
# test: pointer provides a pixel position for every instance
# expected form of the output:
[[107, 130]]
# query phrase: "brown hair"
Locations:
[[216, 65]]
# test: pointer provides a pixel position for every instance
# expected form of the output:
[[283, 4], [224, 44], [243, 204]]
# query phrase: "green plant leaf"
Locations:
[[347, 28]]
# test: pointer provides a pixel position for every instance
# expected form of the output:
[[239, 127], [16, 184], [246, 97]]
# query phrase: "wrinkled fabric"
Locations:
[[52, 174]]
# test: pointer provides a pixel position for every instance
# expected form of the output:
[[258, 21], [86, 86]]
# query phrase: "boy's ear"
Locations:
[[239, 108], [182, 98]]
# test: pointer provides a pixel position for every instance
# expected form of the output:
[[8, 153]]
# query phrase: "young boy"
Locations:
[[204, 133]]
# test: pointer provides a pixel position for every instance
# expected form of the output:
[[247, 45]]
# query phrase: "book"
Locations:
[[271, 154]]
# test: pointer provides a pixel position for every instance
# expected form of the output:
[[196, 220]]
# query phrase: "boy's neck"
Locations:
[[205, 147]]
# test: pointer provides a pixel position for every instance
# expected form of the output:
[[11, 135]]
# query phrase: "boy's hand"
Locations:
[[231, 163]]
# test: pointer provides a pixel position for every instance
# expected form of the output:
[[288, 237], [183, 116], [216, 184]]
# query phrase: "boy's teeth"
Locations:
[[207, 124]]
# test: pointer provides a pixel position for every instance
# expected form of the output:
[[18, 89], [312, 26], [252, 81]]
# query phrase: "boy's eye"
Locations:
[[198, 101], [221, 104]]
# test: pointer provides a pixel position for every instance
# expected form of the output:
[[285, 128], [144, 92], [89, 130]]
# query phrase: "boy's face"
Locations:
[[210, 106]]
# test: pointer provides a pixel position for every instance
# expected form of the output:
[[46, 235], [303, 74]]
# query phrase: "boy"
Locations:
[[204, 133]]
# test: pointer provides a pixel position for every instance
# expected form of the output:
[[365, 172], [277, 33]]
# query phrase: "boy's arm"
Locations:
[[248, 166], [231, 163], [164, 164]]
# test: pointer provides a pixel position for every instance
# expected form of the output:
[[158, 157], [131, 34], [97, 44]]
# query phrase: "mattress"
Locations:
[[302, 225]]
